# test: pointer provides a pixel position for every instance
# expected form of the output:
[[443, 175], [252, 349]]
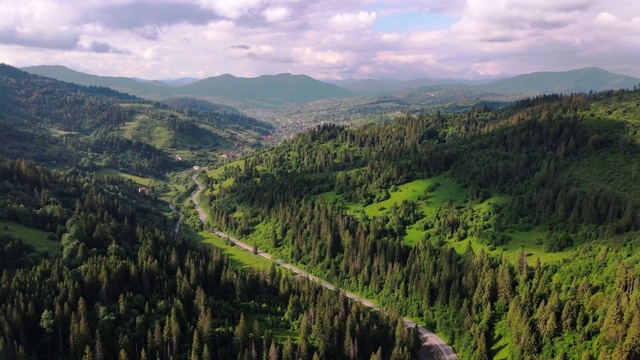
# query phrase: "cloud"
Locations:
[[606, 19], [146, 18], [276, 14], [103, 48], [46, 40], [329, 38], [352, 21], [231, 9], [149, 54]]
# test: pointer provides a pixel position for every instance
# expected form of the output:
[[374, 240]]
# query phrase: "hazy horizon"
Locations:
[[328, 40]]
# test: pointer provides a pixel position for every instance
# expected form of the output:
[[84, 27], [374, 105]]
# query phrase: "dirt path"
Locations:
[[430, 341]]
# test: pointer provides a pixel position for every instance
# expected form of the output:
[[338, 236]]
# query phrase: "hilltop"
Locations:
[[560, 82], [266, 91]]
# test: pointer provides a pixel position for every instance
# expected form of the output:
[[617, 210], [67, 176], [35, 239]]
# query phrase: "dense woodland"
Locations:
[[125, 286], [68, 125], [565, 163]]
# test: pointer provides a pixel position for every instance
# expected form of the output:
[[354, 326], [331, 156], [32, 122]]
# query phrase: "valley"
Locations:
[[506, 224]]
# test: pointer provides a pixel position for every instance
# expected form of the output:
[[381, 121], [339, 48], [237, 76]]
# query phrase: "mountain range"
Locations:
[[273, 91], [266, 91]]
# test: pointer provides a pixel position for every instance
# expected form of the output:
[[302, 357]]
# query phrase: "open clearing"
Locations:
[[115, 173], [238, 255], [35, 237]]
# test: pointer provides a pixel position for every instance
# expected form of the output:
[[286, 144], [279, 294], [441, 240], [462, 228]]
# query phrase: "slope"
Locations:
[[574, 81], [52, 121], [273, 88], [467, 189], [149, 90], [265, 91], [122, 273]]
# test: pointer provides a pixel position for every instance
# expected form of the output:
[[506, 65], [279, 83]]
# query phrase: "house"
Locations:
[[196, 167], [143, 190], [178, 157]]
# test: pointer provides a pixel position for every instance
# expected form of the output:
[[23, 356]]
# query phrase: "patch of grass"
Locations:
[[57, 132], [328, 196], [501, 345], [127, 130], [35, 237], [527, 240], [217, 172], [115, 173], [413, 236], [238, 255], [160, 137]]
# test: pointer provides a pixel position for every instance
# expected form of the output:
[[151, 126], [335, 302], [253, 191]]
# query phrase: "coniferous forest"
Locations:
[[511, 230], [565, 166]]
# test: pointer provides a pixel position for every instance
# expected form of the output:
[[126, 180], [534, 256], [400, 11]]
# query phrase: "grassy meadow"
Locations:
[[35, 237]]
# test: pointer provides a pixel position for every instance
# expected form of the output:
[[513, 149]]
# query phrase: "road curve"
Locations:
[[429, 339]]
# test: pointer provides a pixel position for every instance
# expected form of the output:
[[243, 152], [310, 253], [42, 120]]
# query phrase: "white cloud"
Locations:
[[276, 14], [232, 9], [329, 38], [149, 54], [607, 19], [352, 21]]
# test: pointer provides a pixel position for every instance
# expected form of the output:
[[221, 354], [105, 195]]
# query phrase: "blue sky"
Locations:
[[328, 39], [412, 21]]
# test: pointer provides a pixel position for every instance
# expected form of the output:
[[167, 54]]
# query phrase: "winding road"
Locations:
[[430, 341]]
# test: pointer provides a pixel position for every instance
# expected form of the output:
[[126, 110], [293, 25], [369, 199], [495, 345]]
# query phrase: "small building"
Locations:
[[178, 157], [196, 167], [143, 190]]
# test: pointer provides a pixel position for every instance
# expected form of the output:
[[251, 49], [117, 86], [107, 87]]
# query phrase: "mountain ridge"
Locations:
[[543, 82], [266, 91]]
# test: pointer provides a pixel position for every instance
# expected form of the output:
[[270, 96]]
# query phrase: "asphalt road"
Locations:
[[429, 339]]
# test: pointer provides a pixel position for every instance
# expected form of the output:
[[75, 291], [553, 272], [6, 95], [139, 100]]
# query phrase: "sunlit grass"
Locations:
[[238, 255], [35, 237], [115, 173]]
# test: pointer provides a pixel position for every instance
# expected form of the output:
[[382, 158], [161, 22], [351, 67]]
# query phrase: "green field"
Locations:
[[147, 131], [115, 173], [442, 190], [526, 240], [57, 132], [217, 172], [35, 237], [238, 255], [130, 127]]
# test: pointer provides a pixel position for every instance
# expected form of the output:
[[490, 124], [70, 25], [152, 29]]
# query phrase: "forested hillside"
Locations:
[[509, 231], [69, 125], [123, 285]]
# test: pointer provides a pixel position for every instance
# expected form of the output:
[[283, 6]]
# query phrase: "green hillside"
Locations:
[[91, 266], [70, 125], [149, 90], [264, 91], [268, 89], [574, 81], [510, 232]]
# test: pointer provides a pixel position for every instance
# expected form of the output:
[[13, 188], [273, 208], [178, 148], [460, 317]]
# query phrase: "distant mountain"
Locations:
[[153, 90], [581, 80], [266, 91], [381, 86], [180, 81]]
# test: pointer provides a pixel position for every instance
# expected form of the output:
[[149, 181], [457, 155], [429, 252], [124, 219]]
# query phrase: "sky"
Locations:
[[325, 39]]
